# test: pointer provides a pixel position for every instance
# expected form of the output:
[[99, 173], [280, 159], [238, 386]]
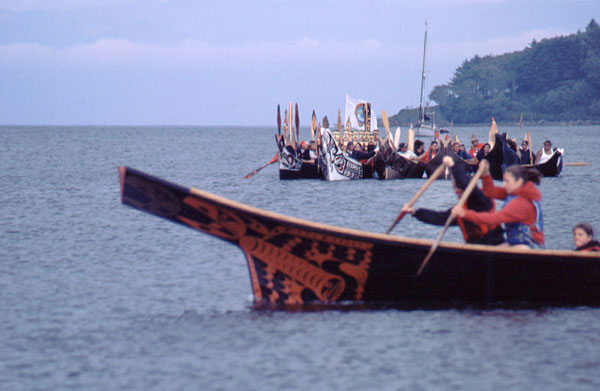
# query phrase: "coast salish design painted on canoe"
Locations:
[[291, 167], [337, 166], [287, 266], [297, 262]]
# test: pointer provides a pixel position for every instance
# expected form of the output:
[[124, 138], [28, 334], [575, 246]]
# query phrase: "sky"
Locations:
[[230, 62]]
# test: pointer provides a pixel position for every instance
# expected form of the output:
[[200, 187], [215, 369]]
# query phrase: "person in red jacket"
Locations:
[[583, 238], [522, 211]]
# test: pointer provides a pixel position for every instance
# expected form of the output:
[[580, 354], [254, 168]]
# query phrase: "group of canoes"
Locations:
[[332, 161]]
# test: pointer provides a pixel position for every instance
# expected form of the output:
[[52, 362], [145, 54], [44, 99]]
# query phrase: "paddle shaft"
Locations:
[[273, 160], [412, 201], [460, 202], [577, 164]]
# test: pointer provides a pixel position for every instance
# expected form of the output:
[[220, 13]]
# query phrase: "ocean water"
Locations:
[[98, 296]]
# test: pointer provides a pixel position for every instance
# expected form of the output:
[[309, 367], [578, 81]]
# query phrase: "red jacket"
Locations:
[[519, 210]]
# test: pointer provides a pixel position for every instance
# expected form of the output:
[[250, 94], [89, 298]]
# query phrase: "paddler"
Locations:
[[522, 211], [472, 232]]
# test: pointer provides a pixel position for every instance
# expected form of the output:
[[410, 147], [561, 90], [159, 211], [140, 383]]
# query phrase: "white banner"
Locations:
[[355, 114]]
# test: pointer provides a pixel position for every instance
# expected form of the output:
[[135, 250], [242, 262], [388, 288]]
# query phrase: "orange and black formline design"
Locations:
[[287, 266]]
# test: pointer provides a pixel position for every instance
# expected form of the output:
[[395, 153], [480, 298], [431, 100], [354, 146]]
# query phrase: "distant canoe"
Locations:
[[292, 167], [501, 156], [553, 166], [297, 263], [336, 165], [396, 166]]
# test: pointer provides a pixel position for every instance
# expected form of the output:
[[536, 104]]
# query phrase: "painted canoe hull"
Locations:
[[294, 262], [291, 167], [552, 167]]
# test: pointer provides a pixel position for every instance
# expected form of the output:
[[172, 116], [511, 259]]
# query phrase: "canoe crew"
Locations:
[[521, 213], [475, 146], [308, 150], [432, 151], [357, 153], [420, 149], [477, 201], [583, 238], [461, 152], [406, 153], [483, 152], [524, 154], [543, 155]]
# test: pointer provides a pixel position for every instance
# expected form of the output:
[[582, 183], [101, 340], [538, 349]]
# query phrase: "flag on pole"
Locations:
[[355, 114]]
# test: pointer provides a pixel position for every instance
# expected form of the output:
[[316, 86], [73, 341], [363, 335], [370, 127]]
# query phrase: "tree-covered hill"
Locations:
[[556, 79]]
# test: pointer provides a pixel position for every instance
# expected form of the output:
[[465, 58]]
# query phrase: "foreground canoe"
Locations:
[[294, 262]]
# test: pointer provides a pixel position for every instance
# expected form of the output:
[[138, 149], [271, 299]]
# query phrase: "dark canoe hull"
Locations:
[[294, 262], [306, 171], [553, 167], [438, 160], [500, 157], [395, 166]]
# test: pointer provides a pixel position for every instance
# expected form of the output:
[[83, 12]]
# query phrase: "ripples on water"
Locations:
[[97, 296]]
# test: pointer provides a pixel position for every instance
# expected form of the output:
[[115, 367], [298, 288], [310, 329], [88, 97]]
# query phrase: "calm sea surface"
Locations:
[[98, 296]]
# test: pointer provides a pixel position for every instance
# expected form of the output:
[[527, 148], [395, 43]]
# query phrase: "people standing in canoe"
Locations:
[[583, 238], [524, 154], [544, 154], [481, 233], [522, 211]]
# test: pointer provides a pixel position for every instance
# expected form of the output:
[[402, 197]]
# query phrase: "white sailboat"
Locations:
[[426, 125]]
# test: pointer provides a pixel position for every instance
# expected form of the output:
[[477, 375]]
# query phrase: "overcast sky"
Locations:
[[230, 62]]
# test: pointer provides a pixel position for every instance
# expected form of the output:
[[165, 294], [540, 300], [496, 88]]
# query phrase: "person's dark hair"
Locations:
[[525, 173], [418, 144], [586, 228], [433, 142]]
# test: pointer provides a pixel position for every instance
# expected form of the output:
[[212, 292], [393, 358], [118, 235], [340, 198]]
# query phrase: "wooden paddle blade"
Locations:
[[251, 174], [278, 121], [386, 124], [297, 124], [577, 164], [313, 125]]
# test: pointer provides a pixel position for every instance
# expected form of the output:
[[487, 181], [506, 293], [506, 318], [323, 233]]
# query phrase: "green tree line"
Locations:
[[556, 79]]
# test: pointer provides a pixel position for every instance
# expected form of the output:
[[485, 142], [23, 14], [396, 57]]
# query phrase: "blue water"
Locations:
[[98, 296]]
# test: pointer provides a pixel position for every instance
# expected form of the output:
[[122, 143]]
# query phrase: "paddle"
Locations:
[[577, 164], [482, 165], [313, 126], [432, 178], [574, 164], [258, 169], [278, 121], [297, 124], [386, 125], [530, 146]]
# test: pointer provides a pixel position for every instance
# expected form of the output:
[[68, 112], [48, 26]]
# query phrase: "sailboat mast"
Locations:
[[421, 109]]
